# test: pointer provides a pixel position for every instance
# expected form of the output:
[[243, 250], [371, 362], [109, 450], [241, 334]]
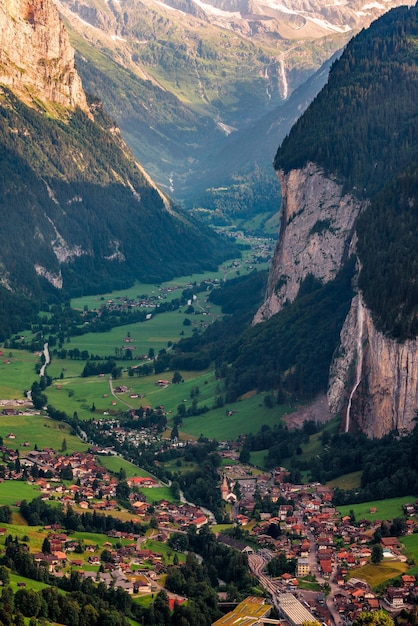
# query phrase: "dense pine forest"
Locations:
[[362, 129]]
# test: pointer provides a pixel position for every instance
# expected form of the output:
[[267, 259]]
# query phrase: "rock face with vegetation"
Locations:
[[78, 212], [349, 170], [388, 377], [36, 55], [316, 232]]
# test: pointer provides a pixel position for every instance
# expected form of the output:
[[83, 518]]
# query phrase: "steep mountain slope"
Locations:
[[348, 171], [197, 72], [78, 213]]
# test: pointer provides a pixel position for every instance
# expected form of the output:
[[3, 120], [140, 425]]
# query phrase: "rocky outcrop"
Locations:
[[36, 58], [373, 379], [316, 234], [386, 397]]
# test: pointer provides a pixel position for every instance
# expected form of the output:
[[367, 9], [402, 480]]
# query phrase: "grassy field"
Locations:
[[37, 430], [385, 509], [247, 416], [257, 458], [411, 548], [162, 548], [34, 535], [17, 372], [348, 481], [375, 575], [154, 333], [29, 584], [12, 491], [177, 285], [154, 494], [115, 463]]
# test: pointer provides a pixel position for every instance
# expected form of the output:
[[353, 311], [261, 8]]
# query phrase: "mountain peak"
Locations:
[[36, 58]]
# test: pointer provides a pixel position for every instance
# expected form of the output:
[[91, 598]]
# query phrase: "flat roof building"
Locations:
[[293, 610], [249, 612]]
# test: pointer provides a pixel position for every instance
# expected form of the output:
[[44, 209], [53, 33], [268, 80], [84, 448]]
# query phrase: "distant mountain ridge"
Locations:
[[183, 77]]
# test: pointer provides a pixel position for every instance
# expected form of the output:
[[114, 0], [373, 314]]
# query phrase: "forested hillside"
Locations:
[[71, 188], [361, 126], [362, 129]]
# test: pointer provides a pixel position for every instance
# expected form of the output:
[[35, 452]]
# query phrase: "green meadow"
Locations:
[[17, 372], [37, 430], [12, 491], [36, 585], [410, 542], [348, 481], [116, 463], [176, 285], [166, 552], [247, 416], [257, 458], [385, 509], [155, 494]]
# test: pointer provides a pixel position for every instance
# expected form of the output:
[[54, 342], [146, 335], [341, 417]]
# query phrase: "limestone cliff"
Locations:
[[373, 379], [386, 393], [36, 58], [316, 234]]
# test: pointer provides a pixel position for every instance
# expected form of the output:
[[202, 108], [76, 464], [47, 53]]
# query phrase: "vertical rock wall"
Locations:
[[316, 235], [36, 58], [387, 396]]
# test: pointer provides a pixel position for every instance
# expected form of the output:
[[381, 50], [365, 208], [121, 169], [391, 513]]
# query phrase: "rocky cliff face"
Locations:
[[373, 379], [317, 226], [376, 375], [36, 58]]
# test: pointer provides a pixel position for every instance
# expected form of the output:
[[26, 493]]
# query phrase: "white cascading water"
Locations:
[[359, 364], [284, 79]]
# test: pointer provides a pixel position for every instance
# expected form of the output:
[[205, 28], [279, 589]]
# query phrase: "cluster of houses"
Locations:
[[129, 566], [322, 543], [94, 488]]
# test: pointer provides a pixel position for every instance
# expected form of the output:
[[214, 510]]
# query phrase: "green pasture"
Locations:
[[154, 333], [411, 548], [17, 373], [314, 447], [221, 528], [145, 601], [177, 285], [39, 430], [179, 466], [348, 481], [375, 575], [248, 415], [115, 463], [96, 539], [34, 535], [309, 585], [257, 458], [166, 552], [385, 509], [155, 494], [69, 368], [79, 394], [29, 583], [12, 491], [173, 395]]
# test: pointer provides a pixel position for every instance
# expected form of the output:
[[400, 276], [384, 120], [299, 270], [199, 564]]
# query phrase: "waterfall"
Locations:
[[284, 79], [360, 320]]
